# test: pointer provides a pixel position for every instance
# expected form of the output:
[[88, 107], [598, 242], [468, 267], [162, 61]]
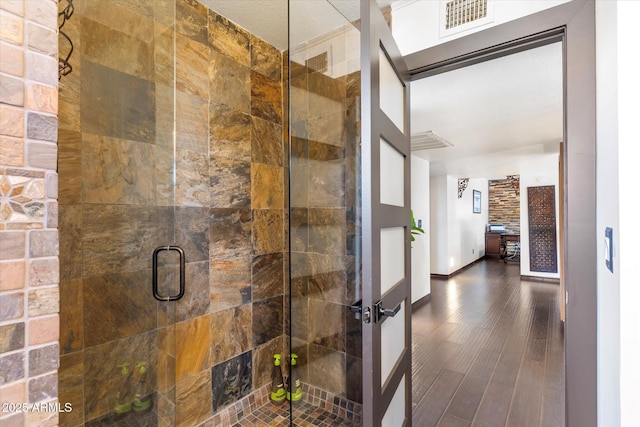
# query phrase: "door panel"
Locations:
[[385, 225]]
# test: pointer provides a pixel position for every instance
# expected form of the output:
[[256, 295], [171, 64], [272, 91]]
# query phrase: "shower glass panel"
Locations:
[[324, 84], [125, 190]]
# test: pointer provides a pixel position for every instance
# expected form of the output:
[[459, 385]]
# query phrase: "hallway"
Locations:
[[488, 350]]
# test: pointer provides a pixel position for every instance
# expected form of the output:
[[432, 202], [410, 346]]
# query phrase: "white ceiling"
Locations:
[[498, 114]]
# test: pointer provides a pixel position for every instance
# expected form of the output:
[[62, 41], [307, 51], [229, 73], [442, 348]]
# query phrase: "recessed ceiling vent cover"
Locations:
[[428, 141], [319, 63], [460, 12]]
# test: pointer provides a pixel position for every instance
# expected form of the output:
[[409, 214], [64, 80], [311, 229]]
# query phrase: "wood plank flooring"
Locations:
[[488, 350]]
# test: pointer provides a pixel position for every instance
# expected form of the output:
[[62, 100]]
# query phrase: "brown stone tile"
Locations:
[[326, 94], [354, 378], [12, 367], [231, 183], [299, 322], [69, 167], [191, 20], [102, 364], [44, 359], [43, 388], [192, 232], [41, 98], [263, 361], [193, 338], [130, 17], [299, 98], [227, 38], [267, 320], [164, 186], [192, 114], [11, 306], [327, 369], [327, 281], [266, 142], [231, 234], [70, 233], [299, 186], [71, 316], [267, 186], [107, 318], [327, 230], [326, 184], [230, 283], [118, 105], [121, 238], [45, 300], [266, 98], [230, 333], [193, 399], [330, 129], [104, 45], [230, 83], [230, 133], [267, 231], [267, 276], [116, 171], [196, 298], [164, 57], [327, 324], [266, 59], [192, 183], [192, 59]]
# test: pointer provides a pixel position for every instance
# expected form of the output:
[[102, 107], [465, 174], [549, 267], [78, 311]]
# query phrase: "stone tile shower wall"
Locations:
[[325, 334], [29, 275], [117, 108], [504, 205]]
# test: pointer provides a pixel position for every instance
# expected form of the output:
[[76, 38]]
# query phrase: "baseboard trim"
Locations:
[[460, 270], [540, 279], [422, 301]]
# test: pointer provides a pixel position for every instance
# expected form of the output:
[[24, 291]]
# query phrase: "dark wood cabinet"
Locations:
[[492, 245]]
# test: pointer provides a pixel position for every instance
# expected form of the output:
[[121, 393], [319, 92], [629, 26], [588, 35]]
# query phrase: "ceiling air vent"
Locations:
[[319, 63], [428, 141], [461, 12]]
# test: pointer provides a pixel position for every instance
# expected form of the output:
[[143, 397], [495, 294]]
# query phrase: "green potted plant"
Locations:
[[415, 230]]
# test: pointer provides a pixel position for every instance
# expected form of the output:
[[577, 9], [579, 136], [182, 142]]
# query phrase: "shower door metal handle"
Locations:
[[156, 294]]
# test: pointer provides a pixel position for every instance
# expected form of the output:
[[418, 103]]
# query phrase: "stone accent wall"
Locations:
[[504, 205], [119, 201], [29, 294]]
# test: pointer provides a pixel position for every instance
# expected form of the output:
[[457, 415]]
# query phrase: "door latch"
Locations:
[[359, 312]]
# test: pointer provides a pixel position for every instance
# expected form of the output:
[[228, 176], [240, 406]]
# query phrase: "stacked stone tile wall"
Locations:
[[29, 293], [504, 205]]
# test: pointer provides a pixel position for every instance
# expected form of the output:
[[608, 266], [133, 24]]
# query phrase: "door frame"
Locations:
[[573, 23]]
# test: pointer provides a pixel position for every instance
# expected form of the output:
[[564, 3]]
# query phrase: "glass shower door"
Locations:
[[118, 203]]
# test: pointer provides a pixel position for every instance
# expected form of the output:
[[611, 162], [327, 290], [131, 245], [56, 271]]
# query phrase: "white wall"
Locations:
[[629, 234], [416, 24], [438, 228], [463, 241], [535, 174], [607, 214], [420, 249]]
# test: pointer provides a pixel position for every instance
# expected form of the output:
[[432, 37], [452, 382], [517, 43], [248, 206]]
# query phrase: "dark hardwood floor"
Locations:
[[488, 350]]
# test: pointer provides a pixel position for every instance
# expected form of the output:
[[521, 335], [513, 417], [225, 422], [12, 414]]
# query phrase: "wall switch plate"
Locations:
[[419, 223], [608, 248]]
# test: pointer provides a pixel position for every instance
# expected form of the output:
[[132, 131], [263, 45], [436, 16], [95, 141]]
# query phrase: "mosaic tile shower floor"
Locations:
[[305, 414]]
